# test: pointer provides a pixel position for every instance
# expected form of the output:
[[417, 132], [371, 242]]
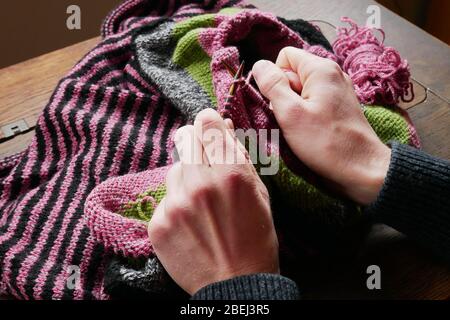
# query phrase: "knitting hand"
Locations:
[[215, 222], [322, 121]]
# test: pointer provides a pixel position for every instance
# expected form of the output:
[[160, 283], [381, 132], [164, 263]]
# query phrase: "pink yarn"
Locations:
[[321, 52], [124, 236], [379, 74]]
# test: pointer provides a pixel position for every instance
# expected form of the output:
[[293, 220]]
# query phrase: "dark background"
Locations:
[[29, 28], [430, 15]]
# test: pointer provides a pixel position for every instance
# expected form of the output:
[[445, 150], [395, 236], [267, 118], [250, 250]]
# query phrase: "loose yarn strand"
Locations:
[[379, 74]]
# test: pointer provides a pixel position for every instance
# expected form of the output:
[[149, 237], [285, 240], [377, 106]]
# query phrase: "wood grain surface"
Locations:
[[408, 272], [25, 88]]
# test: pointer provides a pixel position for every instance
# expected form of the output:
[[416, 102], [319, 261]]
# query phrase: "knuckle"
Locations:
[[201, 191], [271, 81], [287, 51], [236, 179], [177, 210], [333, 66], [208, 118], [292, 112], [182, 215], [333, 71]]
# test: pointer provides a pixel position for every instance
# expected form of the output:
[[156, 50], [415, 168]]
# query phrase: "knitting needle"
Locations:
[[238, 75], [232, 90], [229, 68]]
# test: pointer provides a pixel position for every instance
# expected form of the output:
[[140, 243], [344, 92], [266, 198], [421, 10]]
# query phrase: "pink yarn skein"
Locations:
[[379, 74]]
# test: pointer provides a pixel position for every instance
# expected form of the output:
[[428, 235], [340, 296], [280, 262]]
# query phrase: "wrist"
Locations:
[[371, 176], [250, 269]]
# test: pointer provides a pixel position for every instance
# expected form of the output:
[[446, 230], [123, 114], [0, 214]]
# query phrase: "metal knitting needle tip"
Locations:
[[240, 71], [229, 68], [237, 76]]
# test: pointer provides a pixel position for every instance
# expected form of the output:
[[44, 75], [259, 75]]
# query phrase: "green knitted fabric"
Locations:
[[182, 28], [190, 56], [143, 207], [189, 53], [197, 22], [300, 193], [388, 124]]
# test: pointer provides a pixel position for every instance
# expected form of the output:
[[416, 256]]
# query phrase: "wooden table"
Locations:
[[407, 271]]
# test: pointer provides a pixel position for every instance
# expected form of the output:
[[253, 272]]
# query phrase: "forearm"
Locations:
[[252, 287], [415, 198]]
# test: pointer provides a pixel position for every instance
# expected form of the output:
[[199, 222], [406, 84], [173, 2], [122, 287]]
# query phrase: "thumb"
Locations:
[[274, 84], [156, 224]]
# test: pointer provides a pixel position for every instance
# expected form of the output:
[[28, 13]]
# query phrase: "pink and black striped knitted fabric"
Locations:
[[103, 119], [108, 117]]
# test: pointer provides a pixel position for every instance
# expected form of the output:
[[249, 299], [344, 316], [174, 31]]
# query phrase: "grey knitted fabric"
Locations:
[[154, 48], [131, 280], [252, 287]]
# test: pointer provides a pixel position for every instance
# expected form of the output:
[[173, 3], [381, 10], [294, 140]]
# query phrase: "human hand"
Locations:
[[215, 222], [320, 117]]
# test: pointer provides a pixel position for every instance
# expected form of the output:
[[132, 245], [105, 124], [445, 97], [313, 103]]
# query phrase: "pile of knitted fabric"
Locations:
[[77, 201]]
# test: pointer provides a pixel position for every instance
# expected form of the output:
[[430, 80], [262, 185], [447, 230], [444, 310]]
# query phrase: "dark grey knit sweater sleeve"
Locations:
[[415, 198], [260, 286]]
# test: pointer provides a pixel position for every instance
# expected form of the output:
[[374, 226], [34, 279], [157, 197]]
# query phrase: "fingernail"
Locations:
[[261, 66], [229, 123]]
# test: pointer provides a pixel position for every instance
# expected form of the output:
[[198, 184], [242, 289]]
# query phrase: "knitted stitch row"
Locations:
[[185, 60], [115, 114], [104, 119]]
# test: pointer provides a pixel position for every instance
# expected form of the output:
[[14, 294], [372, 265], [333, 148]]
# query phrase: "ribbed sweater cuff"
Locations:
[[251, 287], [415, 198]]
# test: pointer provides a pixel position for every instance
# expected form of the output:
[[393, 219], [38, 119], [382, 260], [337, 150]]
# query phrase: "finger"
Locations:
[[219, 146], [189, 147], [174, 178], [192, 158], [238, 143], [157, 221], [229, 124], [159, 210], [274, 85], [299, 61], [294, 80]]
